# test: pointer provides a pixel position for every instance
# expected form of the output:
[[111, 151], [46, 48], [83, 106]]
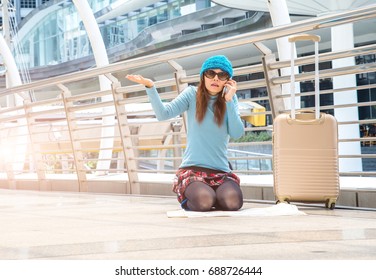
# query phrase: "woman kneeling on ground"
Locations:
[[204, 180]]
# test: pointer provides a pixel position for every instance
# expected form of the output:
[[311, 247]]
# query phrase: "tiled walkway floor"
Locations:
[[56, 225]]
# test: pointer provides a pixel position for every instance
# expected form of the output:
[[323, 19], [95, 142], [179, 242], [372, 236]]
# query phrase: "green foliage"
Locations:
[[254, 137]]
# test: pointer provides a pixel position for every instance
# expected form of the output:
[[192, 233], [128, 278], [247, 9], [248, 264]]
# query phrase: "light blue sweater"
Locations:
[[206, 142]]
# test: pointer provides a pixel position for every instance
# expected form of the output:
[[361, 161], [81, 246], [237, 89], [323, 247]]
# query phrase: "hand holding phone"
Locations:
[[229, 90]]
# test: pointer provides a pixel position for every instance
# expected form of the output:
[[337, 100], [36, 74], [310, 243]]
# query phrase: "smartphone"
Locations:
[[224, 91]]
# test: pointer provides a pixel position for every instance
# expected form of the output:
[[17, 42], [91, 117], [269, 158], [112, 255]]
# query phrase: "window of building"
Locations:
[[366, 95], [64, 38], [30, 4]]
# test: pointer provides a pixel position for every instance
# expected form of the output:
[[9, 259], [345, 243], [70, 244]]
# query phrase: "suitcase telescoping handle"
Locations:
[[305, 37]]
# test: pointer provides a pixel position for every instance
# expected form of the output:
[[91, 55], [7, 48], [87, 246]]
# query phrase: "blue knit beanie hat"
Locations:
[[217, 62]]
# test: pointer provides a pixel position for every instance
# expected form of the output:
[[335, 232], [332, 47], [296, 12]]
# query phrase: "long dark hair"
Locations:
[[202, 102]]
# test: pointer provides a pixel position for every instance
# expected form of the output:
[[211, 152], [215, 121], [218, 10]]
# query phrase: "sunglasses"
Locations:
[[210, 74]]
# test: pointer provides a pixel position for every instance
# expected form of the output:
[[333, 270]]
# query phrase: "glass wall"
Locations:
[[61, 37]]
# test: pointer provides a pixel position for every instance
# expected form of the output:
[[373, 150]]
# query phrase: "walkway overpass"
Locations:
[[49, 142], [56, 205]]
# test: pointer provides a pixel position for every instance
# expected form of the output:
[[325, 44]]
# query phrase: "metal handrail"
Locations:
[[310, 59], [308, 76]]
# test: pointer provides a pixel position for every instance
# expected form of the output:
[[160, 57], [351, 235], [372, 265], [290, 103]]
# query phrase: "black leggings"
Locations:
[[201, 197]]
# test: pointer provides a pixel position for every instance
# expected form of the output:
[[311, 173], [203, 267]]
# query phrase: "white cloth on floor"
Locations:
[[280, 209]]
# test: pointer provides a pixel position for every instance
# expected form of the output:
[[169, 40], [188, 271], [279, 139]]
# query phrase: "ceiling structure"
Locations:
[[306, 7], [120, 8]]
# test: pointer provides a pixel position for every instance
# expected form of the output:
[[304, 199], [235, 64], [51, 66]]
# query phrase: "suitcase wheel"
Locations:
[[330, 203], [283, 201]]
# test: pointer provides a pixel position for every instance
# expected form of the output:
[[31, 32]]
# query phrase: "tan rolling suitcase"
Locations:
[[305, 149]]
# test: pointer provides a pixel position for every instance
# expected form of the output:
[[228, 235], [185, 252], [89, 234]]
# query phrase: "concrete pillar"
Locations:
[[101, 59], [31, 53], [12, 75], [343, 39], [280, 16], [13, 79], [42, 49], [176, 127]]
